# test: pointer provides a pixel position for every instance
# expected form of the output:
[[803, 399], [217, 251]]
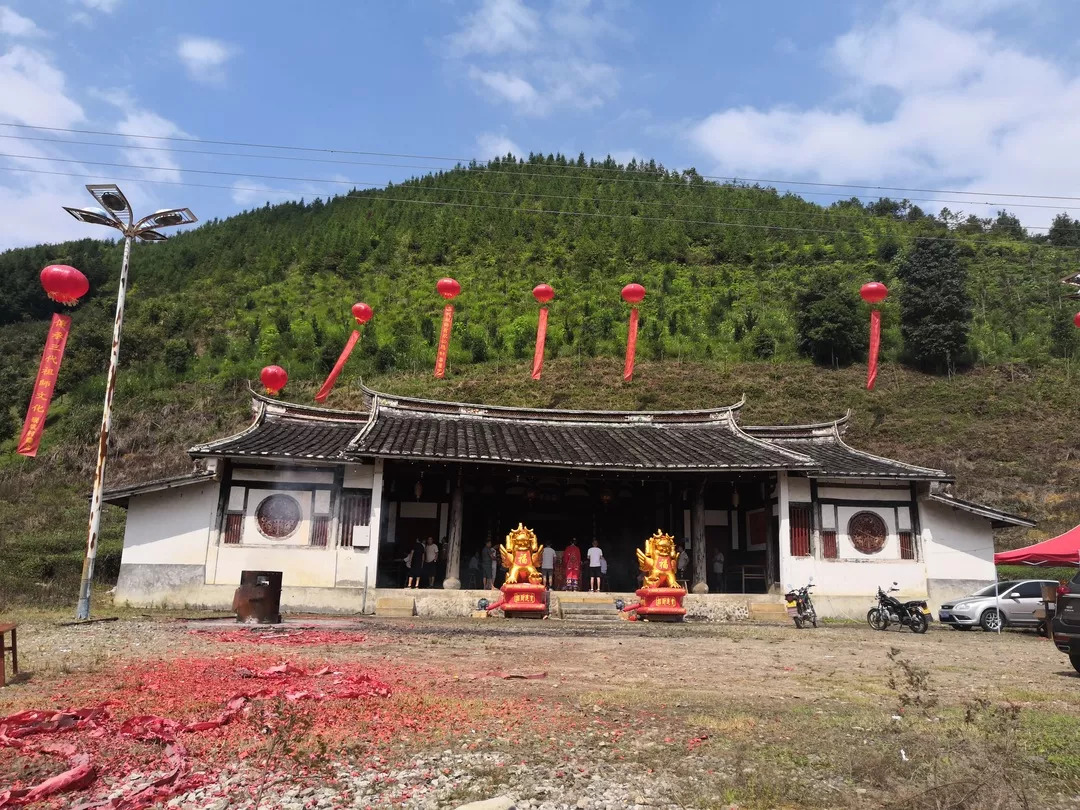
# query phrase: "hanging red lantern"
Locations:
[[273, 379], [873, 292], [362, 312], [448, 288], [64, 284], [542, 293], [1076, 320], [632, 294]]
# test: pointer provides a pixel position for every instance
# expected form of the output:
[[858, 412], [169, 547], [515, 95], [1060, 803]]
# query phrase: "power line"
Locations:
[[419, 185], [369, 197], [732, 179]]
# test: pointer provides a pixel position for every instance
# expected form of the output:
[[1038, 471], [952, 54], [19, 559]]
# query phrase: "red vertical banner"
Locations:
[[541, 337], [631, 346], [48, 371], [335, 372], [875, 345], [444, 341]]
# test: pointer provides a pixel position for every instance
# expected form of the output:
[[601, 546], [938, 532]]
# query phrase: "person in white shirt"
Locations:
[[595, 556], [547, 565], [431, 559]]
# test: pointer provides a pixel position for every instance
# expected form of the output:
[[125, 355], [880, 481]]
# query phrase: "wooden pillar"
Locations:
[[453, 542], [697, 539]]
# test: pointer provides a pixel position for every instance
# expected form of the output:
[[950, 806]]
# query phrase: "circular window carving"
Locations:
[[867, 532], [278, 516]]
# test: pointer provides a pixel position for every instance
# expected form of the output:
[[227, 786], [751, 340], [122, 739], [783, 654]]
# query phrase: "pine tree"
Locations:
[[935, 309], [827, 322]]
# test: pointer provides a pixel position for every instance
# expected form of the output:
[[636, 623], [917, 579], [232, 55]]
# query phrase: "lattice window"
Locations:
[[320, 531], [828, 546], [234, 528], [800, 529], [867, 532], [355, 511], [907, 546]]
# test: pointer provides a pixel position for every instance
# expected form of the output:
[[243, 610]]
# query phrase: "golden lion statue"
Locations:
[[659, 561], [521, 557]]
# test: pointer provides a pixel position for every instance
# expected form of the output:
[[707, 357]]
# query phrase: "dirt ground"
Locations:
[[612, 714]]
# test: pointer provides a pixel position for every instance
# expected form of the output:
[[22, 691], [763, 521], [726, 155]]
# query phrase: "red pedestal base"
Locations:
[[661, 604], [524, 599]]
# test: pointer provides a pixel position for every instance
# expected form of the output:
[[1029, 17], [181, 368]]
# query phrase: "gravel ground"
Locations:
[[618, 715]]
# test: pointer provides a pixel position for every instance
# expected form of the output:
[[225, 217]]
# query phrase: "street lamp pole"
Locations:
[[116, 210]]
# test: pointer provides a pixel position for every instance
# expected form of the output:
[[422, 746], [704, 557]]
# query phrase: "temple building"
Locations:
[[335, 499]]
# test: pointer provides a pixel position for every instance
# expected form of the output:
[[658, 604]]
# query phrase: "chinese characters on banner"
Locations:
[[48, 371], [444, 341]]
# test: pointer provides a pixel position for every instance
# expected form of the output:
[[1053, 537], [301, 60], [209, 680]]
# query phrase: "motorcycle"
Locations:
[[914, 615], [800, 607]]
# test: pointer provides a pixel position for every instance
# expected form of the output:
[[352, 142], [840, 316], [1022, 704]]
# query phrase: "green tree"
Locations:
[[935, 310], [829, 329]]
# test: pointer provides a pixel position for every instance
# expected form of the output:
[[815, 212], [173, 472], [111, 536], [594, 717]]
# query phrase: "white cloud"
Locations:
[[16, 25], [496, 27], [104, 6], [930, 101], [491, 145], [136, 120], [32, 90], [538, 63], [204, 58]]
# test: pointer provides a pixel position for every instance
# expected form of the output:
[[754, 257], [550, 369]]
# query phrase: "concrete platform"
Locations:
[[395, 606]]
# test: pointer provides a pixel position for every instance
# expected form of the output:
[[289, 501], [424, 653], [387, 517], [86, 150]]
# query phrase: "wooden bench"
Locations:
[[4, 647]]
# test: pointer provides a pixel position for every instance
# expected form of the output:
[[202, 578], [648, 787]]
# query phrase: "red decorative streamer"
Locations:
[[48, 371], [541, 337], [631, 346], [324, 392], [875, 344], [444, 341]]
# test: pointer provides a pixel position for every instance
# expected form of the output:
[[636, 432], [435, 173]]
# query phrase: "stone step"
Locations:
[[768, 611], [395, 606], [588, 609]]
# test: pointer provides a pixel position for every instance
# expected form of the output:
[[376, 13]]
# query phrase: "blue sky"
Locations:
[[954, 94]]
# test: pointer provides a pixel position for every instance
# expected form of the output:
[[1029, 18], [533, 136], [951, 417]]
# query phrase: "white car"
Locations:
[[1018, 601]]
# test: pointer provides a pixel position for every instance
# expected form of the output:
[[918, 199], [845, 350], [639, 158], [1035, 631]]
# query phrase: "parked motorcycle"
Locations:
[[914, 615], [800, 606]]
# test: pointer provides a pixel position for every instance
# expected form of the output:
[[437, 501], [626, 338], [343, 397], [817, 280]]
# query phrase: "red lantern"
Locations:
[[63, 283], [274, 379], [362, 312], [543, 293], [1076, 320], [448, 288], [633, 293], [874, 292]]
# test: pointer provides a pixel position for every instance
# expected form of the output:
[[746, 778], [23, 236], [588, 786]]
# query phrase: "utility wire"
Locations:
[[370, 197], [422, 186], [731, 179]]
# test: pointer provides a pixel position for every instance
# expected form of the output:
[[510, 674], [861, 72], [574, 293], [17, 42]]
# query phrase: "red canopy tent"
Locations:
[[1061, 550]]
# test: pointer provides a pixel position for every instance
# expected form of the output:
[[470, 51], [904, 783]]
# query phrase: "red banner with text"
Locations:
[[444, 341], [324, 392], [631, 346], [48, 371], [541, 337], [875, 344]]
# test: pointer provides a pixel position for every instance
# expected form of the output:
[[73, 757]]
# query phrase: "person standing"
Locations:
[[682, 567], [572, 564], [473, 569], [603, 573], [431, 561], [487, 560], [547, 565], [718, 571], [595, 556], [416, 564]]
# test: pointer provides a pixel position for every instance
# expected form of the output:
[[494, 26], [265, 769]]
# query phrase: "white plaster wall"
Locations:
[[170, 527], [856, 577], [868, 493], [357, 564], [300, 566], [891, 550], [280, 475], [956, 544], [798, 489]]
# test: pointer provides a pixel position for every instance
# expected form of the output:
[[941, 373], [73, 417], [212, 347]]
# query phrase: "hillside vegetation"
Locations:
[[731, 273]]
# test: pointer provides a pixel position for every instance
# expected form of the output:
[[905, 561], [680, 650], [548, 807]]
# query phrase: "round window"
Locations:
[[278, 516], [867, 532]]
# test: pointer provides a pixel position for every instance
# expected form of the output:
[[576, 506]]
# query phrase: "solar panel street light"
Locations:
[[115, 213]]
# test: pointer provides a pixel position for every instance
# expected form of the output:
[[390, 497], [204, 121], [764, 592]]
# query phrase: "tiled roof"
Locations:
[[836, 459]]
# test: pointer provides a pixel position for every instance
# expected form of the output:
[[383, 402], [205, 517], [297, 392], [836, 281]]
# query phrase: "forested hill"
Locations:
[[734, 273]]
